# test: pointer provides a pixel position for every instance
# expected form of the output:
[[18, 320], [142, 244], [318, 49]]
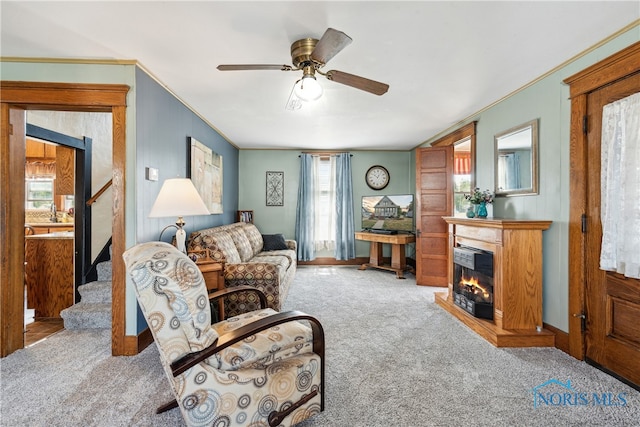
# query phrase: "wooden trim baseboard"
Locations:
[[356, 261], [134, 344], [562, 338], [332, 261]]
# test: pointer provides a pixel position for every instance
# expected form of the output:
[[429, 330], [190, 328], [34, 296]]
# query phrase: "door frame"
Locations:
[[16, 95], [615, 67], [82, 193]]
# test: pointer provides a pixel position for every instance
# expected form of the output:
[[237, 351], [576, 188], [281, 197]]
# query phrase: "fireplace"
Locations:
[[473, 281], [513, 249]]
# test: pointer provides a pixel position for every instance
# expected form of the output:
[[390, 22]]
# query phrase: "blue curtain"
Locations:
[[513, 171], [305, 210], [509, 167], [345, 231]]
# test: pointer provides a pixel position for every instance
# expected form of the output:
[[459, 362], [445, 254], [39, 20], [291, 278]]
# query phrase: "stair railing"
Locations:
[[95, 197]]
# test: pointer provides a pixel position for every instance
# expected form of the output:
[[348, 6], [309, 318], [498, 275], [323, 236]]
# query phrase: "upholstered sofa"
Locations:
[[265, 262]]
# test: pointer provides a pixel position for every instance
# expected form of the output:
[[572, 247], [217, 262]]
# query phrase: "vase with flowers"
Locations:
[[480, 199]]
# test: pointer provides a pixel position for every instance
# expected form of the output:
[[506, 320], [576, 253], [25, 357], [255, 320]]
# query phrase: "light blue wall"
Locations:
[[281, 219], [548, 101], [163, 127]]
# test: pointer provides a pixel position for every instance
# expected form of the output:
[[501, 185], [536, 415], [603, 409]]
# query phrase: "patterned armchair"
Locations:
[[261, 368]]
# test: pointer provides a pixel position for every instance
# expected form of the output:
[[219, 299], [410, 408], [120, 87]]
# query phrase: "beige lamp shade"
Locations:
[[178, 197]]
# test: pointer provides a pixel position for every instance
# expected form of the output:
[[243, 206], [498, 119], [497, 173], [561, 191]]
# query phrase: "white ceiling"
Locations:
[[444, 61]]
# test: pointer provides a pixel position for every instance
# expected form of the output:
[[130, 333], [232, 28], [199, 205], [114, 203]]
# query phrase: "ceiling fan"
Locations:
[[310, 55]]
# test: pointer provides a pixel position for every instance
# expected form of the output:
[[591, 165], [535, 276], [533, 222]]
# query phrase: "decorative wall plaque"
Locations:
[[275, 188]]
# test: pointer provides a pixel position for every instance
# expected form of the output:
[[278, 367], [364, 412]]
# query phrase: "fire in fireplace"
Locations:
[[473, 281]]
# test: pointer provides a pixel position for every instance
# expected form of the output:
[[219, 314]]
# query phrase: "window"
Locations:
[[324, 215], [39, 193], [69, 202], [325, 195], [461, 175]]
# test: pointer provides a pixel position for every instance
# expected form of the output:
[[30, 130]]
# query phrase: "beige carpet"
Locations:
[[394, 358]]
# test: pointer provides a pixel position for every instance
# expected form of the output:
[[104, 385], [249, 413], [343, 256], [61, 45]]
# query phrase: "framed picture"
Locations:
[[275, 188], [206, 174]]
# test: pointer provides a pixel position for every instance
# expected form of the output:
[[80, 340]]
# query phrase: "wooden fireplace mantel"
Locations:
[[517, 262]]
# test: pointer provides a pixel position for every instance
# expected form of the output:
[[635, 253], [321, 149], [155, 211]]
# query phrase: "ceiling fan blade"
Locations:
[[358, 82], [242, 67], [332, 42]]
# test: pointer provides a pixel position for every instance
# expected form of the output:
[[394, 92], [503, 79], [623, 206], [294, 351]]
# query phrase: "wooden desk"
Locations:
[[398, 257]]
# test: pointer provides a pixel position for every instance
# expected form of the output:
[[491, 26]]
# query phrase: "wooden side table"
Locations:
[[397, 242], [213, 274]]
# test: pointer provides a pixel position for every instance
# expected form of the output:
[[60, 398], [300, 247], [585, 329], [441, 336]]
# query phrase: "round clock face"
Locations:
[[377, 177]]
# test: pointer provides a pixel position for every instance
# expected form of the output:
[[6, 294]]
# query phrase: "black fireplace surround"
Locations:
[[473, 281]]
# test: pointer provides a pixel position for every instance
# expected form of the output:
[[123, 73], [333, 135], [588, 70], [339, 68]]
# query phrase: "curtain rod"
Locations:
[[326, 153]]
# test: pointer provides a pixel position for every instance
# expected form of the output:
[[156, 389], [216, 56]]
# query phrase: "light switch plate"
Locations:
[[152, 174]]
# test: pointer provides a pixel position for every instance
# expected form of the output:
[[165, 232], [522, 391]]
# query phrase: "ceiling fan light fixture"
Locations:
[[308, 88]]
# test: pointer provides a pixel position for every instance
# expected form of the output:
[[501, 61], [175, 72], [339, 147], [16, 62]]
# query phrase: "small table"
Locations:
[[213, 274], [398, 258]]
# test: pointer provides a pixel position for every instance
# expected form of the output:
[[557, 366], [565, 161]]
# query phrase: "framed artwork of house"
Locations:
[[206, 174]]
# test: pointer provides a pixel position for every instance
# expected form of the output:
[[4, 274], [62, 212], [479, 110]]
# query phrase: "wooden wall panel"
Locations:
[[433, 224], [434, 181]]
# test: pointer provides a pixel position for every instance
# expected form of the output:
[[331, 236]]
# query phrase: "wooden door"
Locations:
[[434, 188], [612, 301]]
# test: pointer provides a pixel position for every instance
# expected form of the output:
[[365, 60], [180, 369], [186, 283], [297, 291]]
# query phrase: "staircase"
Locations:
[[94, 309]]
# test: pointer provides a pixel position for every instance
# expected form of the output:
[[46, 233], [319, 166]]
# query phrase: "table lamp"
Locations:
[[178, 197]]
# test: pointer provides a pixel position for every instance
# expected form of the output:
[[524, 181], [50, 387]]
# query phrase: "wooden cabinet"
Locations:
[[65, 171], [212, 272], [39, 150], [517, 262], [49, 274]]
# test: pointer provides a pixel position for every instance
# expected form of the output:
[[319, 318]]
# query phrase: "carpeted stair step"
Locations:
[[85, 315], [96, 292], [104, 270], [94, 309]]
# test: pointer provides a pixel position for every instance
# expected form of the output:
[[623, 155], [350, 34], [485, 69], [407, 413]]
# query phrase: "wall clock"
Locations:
[[377, 177]]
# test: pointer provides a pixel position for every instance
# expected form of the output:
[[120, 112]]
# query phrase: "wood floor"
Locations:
[[35, 330], [41, 329]]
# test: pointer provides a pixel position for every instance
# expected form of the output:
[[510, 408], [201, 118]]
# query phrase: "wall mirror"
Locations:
[[516, 161]]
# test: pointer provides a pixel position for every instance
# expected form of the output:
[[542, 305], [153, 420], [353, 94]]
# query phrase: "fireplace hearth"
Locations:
[[473, 281], [516, 278]]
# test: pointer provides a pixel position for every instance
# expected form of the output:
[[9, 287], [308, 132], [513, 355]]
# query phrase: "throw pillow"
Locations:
[[273, 242]]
